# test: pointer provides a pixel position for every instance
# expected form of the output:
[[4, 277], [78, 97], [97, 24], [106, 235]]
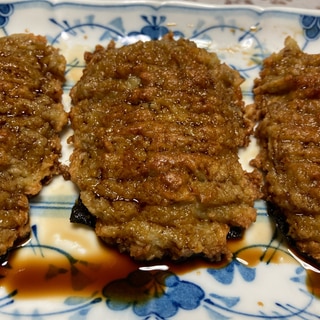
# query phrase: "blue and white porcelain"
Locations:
[[275, 286]]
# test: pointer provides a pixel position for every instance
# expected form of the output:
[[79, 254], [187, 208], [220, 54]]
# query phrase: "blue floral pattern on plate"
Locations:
[[6, 11], [273, 288], [311, 26], [161, 293]]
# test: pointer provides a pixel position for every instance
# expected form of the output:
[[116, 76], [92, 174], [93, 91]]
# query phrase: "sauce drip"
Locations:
[[313, 282], [313, 278], [37, 276]]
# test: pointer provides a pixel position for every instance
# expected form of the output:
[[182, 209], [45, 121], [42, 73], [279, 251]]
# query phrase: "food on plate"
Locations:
[[31, 116], [287, 97], [157, 129]]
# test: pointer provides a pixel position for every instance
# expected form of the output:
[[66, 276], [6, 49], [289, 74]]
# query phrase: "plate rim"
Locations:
[[158, 4]]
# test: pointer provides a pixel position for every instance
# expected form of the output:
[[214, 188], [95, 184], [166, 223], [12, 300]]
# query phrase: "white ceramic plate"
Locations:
[[65, 273]]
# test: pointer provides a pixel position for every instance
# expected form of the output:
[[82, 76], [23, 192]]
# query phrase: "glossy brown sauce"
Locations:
[[313, 282], [37, 276], [313, 274]]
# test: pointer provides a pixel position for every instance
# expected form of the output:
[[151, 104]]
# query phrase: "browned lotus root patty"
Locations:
[[157, 128], [31, 117], [287, 96]]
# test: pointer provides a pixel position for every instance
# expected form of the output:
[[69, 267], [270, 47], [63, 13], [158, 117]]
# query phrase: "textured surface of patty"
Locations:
[[31, 116], [287, 95], [157, 127]]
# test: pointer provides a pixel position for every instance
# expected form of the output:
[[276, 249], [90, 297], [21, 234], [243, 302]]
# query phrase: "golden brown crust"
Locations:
[[157, 127], [287, 96], [31, 116]]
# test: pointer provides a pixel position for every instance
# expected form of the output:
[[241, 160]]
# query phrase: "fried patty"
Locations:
[[287, 96], [31, 117], [157, 128]]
